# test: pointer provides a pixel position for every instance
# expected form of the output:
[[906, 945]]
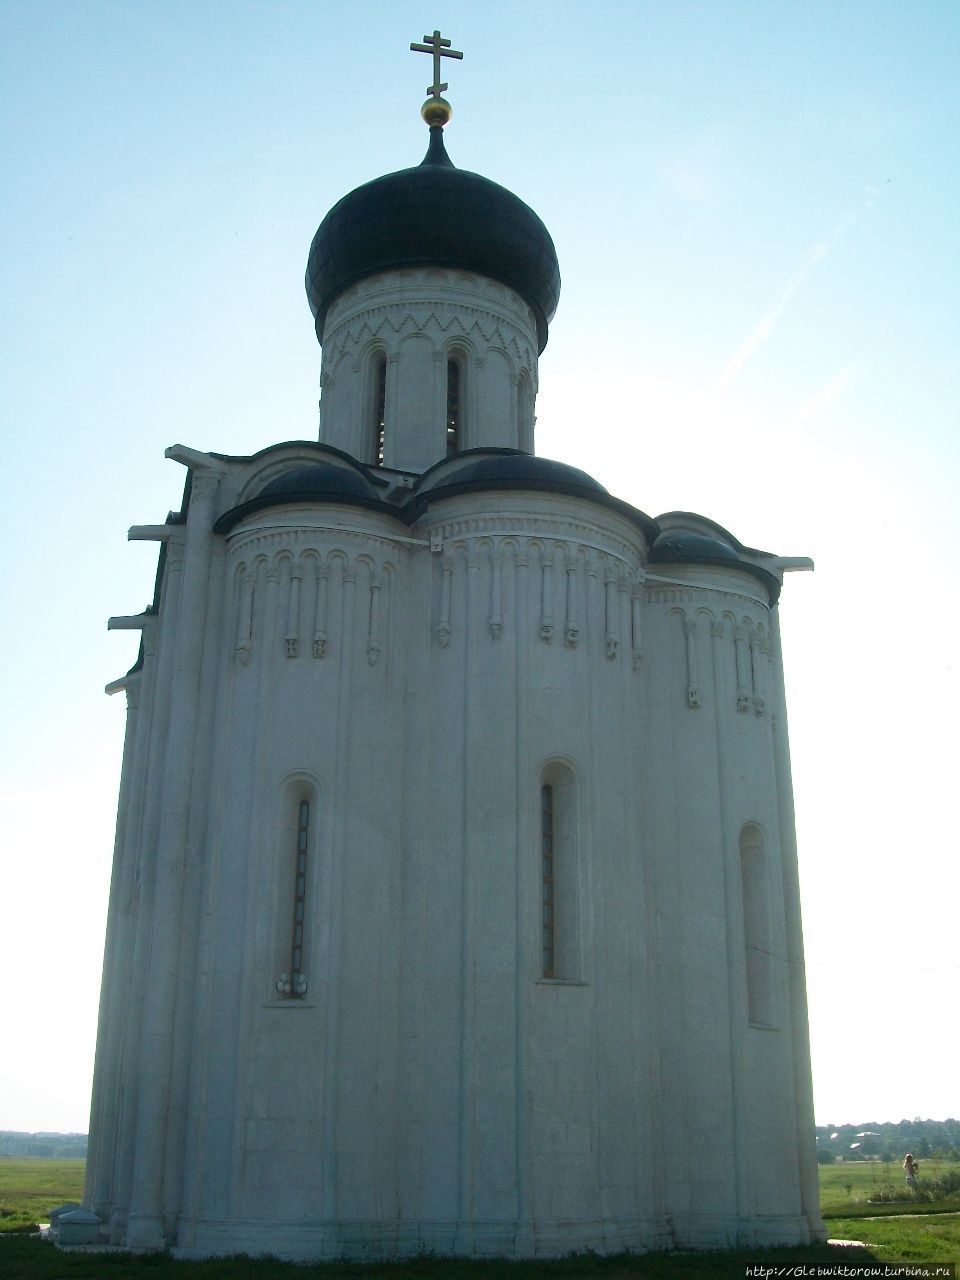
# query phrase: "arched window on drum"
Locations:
[[455, 400], [378, 408]]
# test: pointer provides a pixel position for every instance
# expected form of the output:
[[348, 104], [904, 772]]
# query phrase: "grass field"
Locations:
[[31, 1259], [916, 1238], [30, 1186], [847, 1189], [903, 1233]]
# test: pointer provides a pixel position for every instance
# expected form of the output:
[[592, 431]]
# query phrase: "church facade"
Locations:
[[455, 901]]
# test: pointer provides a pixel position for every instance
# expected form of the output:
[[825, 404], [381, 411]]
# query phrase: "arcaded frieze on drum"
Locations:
[[321, 538], [565, 591], [450, 310], [743, 648], [723, 598], [538, 527], [446, 328], [300, 605]]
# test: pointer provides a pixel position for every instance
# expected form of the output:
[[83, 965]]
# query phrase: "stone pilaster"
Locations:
[[145, 1227]]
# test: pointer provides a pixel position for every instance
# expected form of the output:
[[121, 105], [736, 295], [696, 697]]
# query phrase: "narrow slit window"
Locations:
[[294, 983], [454, 407], [546, 827], [300, 891], [558, 902], [379, 408]]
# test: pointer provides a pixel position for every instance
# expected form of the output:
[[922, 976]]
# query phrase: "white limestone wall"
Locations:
[[104, 1116], [432, 1089], [417, 320], [299, 1090], [389, 1108], [128, 950], [145, 1014], [526, 668], [713, 704]]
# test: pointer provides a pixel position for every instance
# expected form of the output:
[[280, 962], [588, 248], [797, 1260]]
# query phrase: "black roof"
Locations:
[[341, 479], [486, 470], [434, 215], [688, 546], [314, 482]]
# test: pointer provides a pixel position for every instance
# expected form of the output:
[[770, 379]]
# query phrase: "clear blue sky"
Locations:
[[755, 207]]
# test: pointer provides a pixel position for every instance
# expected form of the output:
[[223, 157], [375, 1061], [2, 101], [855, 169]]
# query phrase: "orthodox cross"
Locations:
[[440, 48]]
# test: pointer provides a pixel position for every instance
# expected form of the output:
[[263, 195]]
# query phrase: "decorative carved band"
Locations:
[[568, 536]]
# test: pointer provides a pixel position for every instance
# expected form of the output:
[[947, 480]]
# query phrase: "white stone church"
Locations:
[[455, 900]]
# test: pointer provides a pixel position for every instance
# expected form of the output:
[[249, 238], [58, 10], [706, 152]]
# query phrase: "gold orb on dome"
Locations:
[[436, 111]]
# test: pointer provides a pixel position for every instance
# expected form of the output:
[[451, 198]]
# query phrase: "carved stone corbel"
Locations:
[[756, 662], [496, 597], [546, 598], [244, 641], [320, 615], [444, 630], [373, 642], [636, 623], [693, 683], [744, 677], [612, 639], [572, 629], [293, 612]]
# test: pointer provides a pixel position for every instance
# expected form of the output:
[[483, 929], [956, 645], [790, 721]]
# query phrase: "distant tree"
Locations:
[[890, 1140], [825, 1156], [58, 1145]]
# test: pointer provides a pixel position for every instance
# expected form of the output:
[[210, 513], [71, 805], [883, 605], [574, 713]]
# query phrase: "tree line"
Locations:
[[890, 1140], [65, 1146]]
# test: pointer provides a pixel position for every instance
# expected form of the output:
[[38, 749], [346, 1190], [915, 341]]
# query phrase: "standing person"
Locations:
[[910, 1170]]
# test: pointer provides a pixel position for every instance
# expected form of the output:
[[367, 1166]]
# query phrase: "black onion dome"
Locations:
[[315, 482], [438, 216]]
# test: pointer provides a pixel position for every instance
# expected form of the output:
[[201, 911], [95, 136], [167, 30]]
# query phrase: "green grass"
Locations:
[[934, 1238], [897, 1231], [30, 1186], [30, 1259], [847, 1189]]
